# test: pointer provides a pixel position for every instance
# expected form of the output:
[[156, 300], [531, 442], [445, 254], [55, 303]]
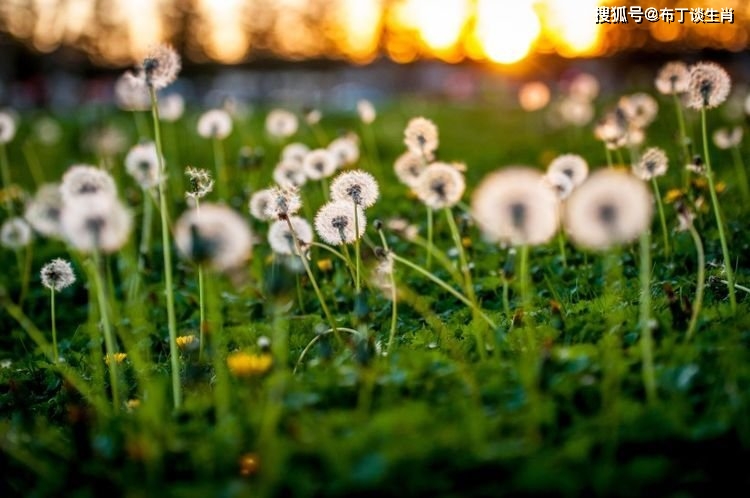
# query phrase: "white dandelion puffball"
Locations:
[[171, 107], [83, 180], [653, 163], [345, 149], [131, 94], [142, 163], [336, 225], [48, 131], [560, 182], [295, 151], [709, 86], [319, 164], [673, 78], [281, 240], [15, 233], [612, 207], [96, 222], [283, 203], [214, 235], [726, 138], [160, 67], [584, 87], [281, 123], [571, 165], [107, 141], [289, 174], [516, 206], [313, 116], [355, 186], [7, 127], [57, 275], [576, 112], [640, 109], [440, 185], [421, 136], [408, 167], [533, 96], [201, 183], [366, 111], [259, 204], [43, 210], [216, 123]]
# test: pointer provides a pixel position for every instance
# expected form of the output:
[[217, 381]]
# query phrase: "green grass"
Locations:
[[566, 417]]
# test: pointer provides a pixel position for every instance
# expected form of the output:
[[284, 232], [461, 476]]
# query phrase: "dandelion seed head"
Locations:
[[576, 112], [57, 275], [726, 138], [142, 163], [216, 123], [281, 240], [83, 180], [584, 87], [313, 116], [48, 131], [214, 235], [95, 222], [366, 111], [108, 141], [7, 127], [560, 182], [282, 203], [357, 186], [131, 94], [345, 149], [15, 233], [640, 109], [440, 185], [43, 210], [259, 204], [289, 174], [295, 151], [335, 223], [201, 183], [171, 107], [516, 206], [160, 66], [319, 164], [709, 86], [281, 123], [421, 136], [653, 163], [571, 165], [409, 167], [612, 207], [673, 78]]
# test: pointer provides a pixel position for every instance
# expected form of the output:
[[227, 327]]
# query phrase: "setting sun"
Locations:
[[506, 32]]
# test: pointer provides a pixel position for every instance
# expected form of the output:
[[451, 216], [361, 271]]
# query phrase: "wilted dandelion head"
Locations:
[[726, 138], [533, 96], [171, 107], [653, 163], [516, 206], [345, 149], [709, 86], [95, 222], [409, 167], [282, 203], [214, 235], [43, 210], [201, 183], [295, 151], [216, 123], [15, 233], [640, 109], [355, 186], [142, 163], [289, 174], [160, 66], [57, 275], [336, 225], [571, 165], [281, 123], [318, 164], [560, 183], [131, 94], [366, 111], [673, 78], [280, 237], [440, 185], [584, 87], [421, 136], [83, 180], [612, 207], [7, 127]]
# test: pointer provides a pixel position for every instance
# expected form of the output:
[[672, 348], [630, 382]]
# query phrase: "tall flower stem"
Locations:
[[561, 245], [109, 340], [739, 167], [221, 175], [33, 161], [5, 171], [394, 295], [662, 218], [717, 212], [339, 255], [524, 278], [55, 353], [202, 312], [683, 138], [428, 264], [608, 153], [167, 251], [357, 251], [700, 281], [148, 215], [647, 340]]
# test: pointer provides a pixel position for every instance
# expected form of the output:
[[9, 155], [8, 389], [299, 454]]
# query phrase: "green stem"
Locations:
[[662, 218], [428, 264], [700, 281], [339, 255], [55, 352], [357, 250], [167, 251], [5, 171], [202, 312], [717, 212], [221, 178], [561, 245], [608, 153], [524, 279], [647, 341], [683, 139], [620, 159], [148, 215], [439, 257], [394, 296], [739, 167], [141, 125], [33, 161], [109, 340]]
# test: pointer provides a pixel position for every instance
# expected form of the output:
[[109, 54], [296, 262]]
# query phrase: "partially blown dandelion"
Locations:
[[160, 67]]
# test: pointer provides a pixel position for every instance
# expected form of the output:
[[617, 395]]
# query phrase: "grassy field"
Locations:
[[555, 405]]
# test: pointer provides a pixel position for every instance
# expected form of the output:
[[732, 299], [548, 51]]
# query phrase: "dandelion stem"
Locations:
[[167, 251], [439, 257], [683, 138], [33, 161], [221, 179], [333, 251], [662, 218], [372, 146], [647, 341], [620, 159], [201, 312], [700, 281], [315, 339], [428, 264], [141, 126], [5, 171], [717, 212], [55, 352], [148, 215], [394, 296], [739, 167], [357, 250], [608, 153], [561, 244], [109, 341], [524, 279]]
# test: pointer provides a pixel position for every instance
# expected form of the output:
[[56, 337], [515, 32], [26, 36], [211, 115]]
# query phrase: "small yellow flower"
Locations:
[[132, 404], [325, 264], [187, 342], [466, 242], [673, 195], [720, 187], [700, 182], [249, 464], [119, 358], [11, 193], [243, 364]]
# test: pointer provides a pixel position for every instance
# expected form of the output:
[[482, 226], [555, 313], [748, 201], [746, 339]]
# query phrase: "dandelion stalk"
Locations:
[[428, 264], [221, 179], [55, 353], [683, 137], [524, 278], [561, 245], [167, 251], [5, 171], [647, 340], [739, 166], [109, 341], [33, 161], [339, 255], [608, 153], [394, 295], [662, 218], [201, 312], [717, 212], [357, 251], [700, 281], [148, 215]]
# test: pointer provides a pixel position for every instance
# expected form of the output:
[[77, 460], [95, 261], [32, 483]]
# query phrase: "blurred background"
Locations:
[[385, 46]]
